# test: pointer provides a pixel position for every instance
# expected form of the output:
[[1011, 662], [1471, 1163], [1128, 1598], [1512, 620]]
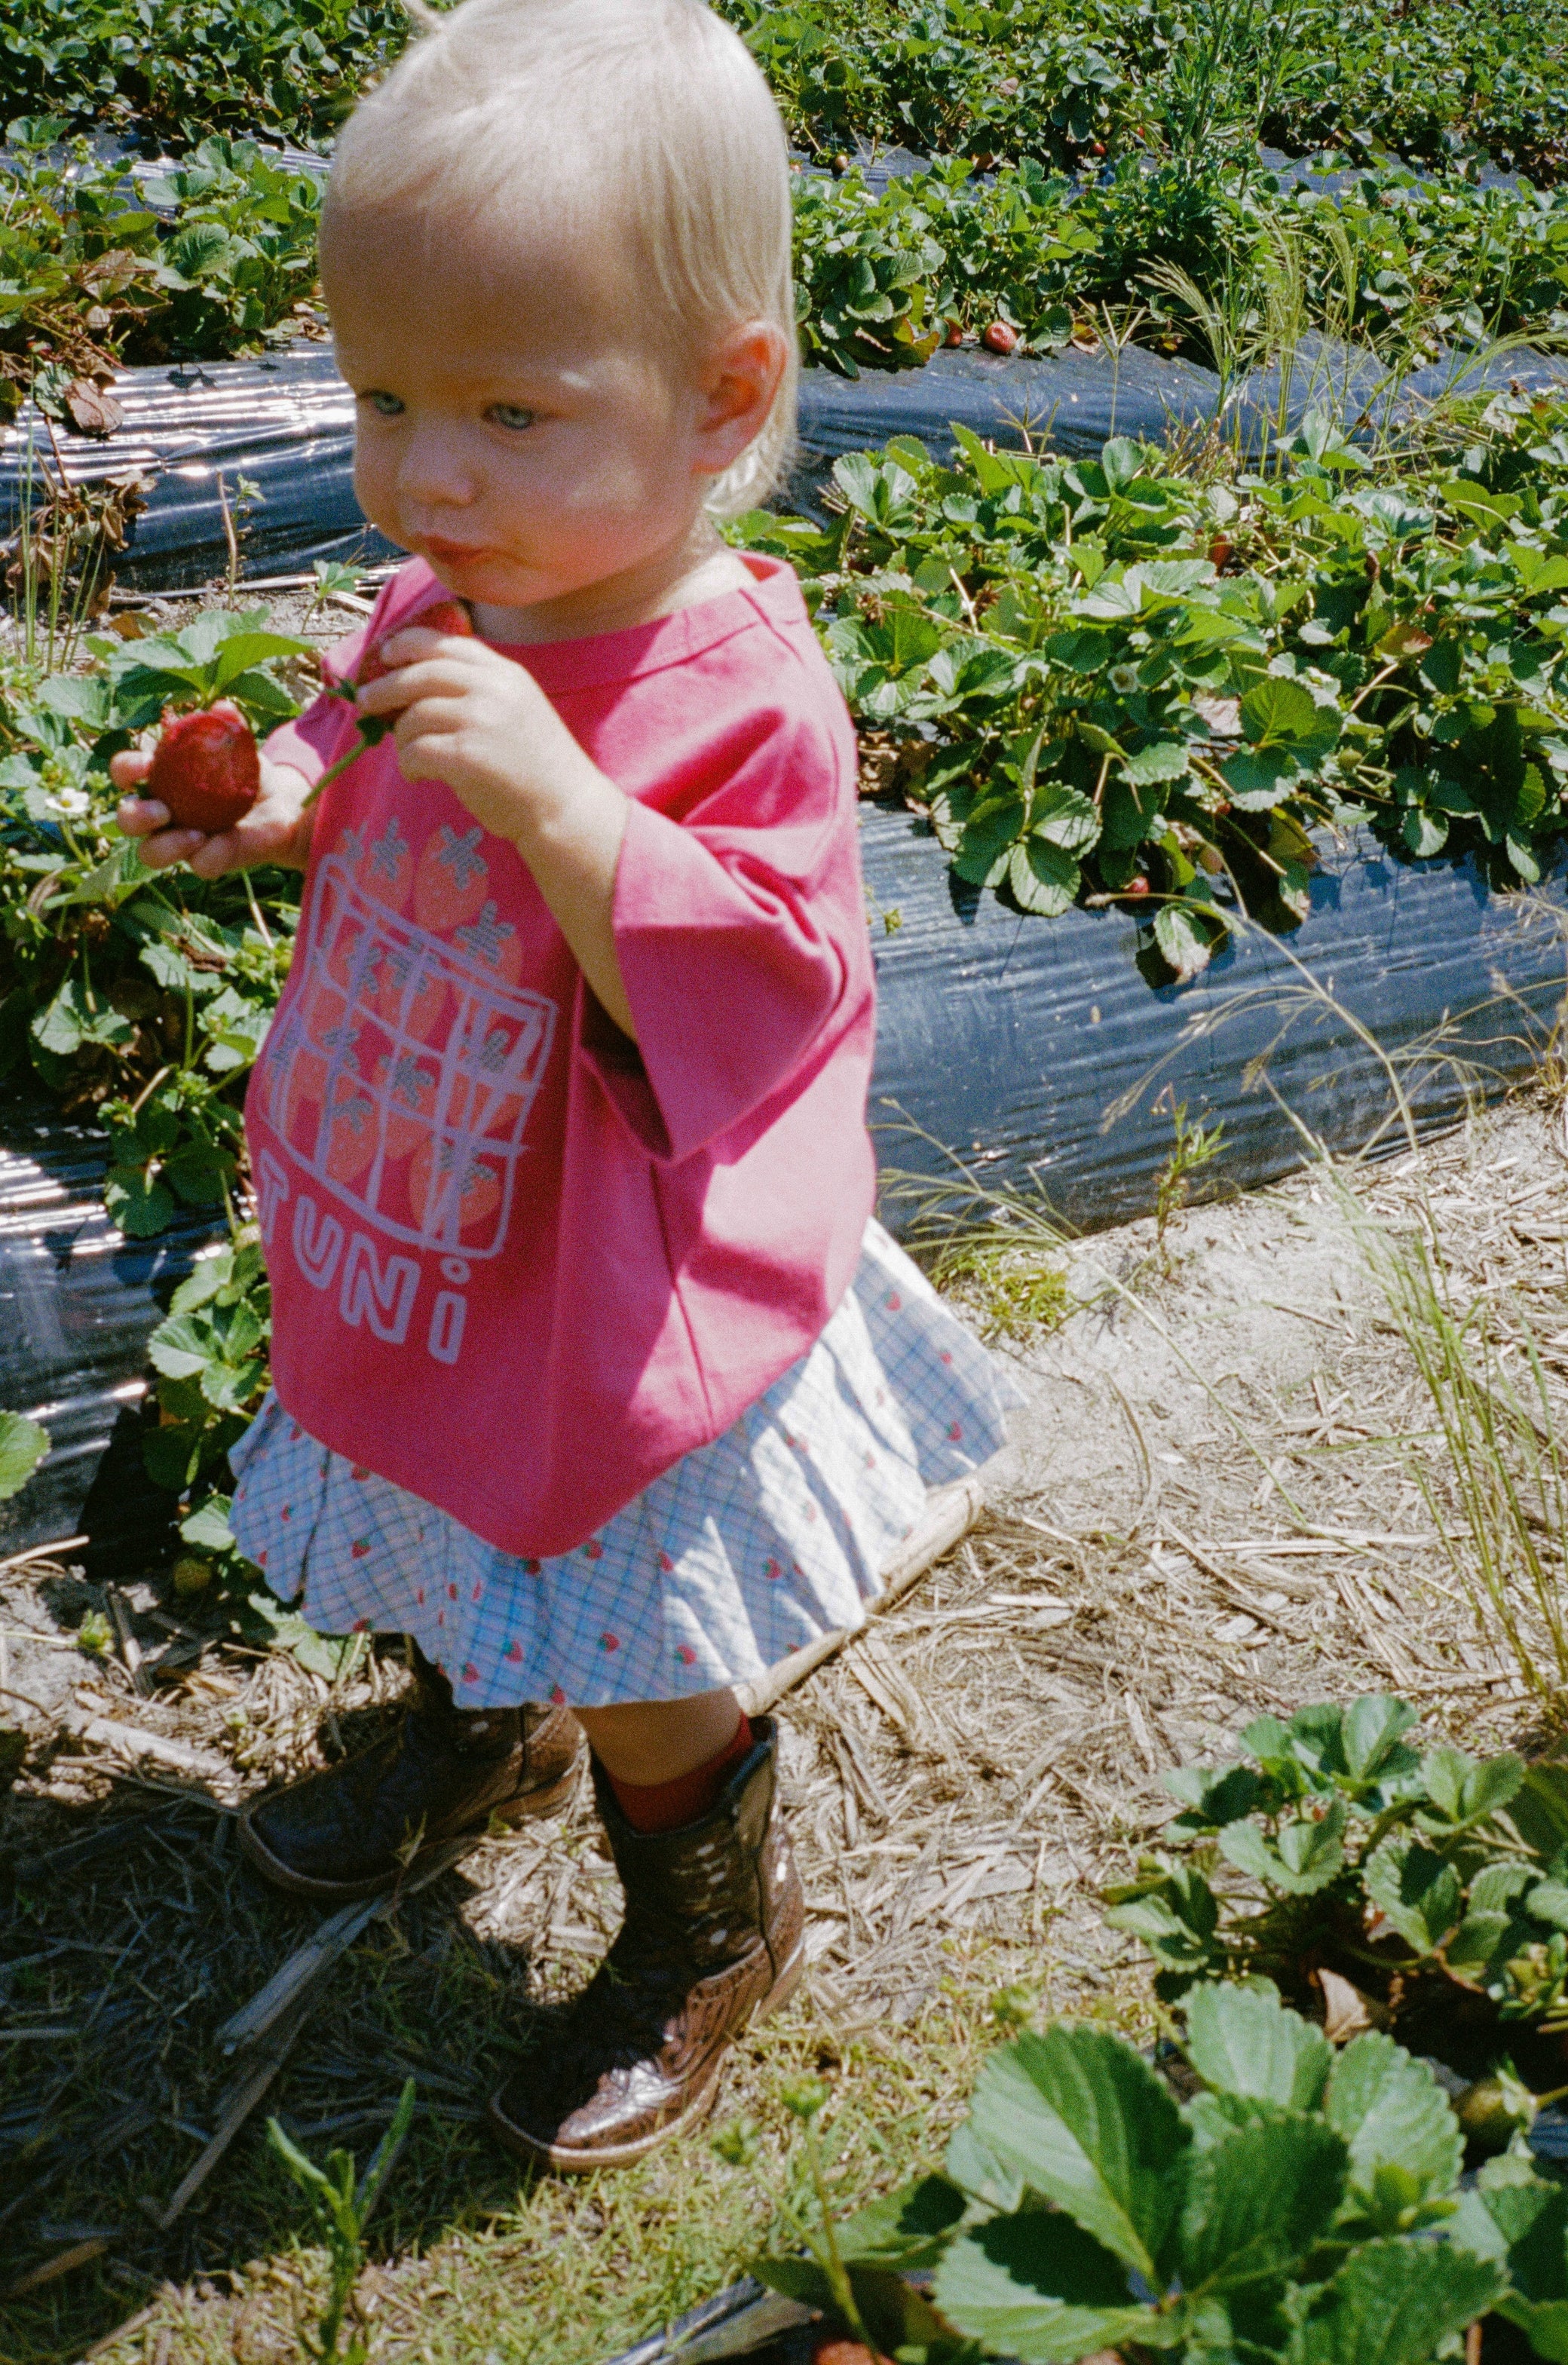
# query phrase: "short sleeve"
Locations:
[[735, 929]]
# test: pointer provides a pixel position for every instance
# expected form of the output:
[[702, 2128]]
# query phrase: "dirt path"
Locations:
[[1207, 1510]]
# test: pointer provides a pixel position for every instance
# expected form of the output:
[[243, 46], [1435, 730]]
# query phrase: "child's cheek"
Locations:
[[375, 483]]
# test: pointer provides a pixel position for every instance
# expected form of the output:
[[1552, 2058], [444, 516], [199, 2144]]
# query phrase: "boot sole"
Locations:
[[533, 1806], [567, 2160]]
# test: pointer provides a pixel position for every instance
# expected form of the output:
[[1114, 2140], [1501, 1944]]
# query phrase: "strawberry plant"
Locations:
[[1302, 2205], [141, 997], [97, 267], [185, 67], [210, 1358], [1122, 678], [1419, 1889]]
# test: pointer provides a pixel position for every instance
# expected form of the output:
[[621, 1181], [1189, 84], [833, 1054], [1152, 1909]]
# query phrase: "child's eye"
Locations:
[[510, 414], [385, 404]]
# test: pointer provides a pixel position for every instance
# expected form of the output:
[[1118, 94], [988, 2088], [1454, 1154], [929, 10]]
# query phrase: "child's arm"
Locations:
[[481, 723]]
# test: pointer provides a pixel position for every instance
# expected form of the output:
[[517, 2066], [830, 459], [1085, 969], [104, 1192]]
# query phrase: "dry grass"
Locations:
[[1233, 1521]]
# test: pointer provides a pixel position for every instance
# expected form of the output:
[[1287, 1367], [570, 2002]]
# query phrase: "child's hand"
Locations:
[[481, 723], [274, 830]]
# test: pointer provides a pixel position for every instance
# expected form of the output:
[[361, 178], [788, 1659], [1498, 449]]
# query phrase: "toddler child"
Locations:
[[593, 1375]]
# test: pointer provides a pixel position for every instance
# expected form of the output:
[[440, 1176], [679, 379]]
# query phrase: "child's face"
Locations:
[[512, 428]]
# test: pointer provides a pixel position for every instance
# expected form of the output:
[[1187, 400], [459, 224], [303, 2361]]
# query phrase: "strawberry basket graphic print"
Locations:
[[402, 1074]]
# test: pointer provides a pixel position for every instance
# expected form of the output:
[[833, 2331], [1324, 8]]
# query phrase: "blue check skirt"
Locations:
[[738, 1554]]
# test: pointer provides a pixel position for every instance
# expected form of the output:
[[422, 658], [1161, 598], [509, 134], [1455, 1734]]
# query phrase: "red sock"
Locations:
[[665, 1806]]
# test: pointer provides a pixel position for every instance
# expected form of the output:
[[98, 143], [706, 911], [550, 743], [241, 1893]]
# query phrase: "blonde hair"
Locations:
[[648, 117]]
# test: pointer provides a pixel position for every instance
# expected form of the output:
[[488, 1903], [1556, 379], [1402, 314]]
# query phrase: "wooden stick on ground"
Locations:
[[950, 1512]]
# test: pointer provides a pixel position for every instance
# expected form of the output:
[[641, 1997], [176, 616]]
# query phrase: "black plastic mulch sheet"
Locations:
[[1009, 1040], [283, 425], [78, 1301], [744, 2322]]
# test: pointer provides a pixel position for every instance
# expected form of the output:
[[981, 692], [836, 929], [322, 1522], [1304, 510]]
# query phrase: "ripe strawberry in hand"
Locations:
[[205, 768]]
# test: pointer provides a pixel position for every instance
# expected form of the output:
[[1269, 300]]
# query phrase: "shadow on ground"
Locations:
[[131, 1930]]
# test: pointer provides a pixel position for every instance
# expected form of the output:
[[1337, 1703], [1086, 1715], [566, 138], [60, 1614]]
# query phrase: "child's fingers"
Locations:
[[129, 769], [158, 846], [418, 641]]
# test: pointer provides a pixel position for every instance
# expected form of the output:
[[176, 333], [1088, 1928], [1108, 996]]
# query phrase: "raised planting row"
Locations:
[[1135, 679], [216, 256], [213, 256], [1057, 82], [1033, 78], [175, 70], [1221, 265]]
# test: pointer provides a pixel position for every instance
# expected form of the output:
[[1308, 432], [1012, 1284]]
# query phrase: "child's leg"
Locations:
[[443, 1771], [713, 1935], [649, 1742]]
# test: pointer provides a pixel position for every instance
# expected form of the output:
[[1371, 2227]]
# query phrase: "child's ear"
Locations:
[[735, 392]]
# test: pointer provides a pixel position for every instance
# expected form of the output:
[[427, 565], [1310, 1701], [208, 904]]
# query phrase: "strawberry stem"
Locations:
[[360, 746]]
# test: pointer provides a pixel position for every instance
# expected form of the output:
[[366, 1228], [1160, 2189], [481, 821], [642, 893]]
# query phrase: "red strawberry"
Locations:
[[1002, 337], [206, 768], [955, 333], [441, 616], [1137, 886]]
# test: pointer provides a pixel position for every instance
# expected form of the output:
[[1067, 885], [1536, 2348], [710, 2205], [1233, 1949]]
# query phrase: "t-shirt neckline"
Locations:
[[598, 660]]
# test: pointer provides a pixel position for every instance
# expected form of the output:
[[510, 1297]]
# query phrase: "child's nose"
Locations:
[[433, 470]]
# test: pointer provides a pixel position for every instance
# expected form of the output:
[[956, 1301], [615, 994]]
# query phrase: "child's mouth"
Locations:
[[452, 554]]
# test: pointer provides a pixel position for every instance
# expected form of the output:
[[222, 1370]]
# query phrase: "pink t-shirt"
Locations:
[[520, 1264]]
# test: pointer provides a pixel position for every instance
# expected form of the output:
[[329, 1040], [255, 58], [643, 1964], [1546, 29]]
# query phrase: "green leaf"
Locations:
[[1256, 779], [76, 1016], [1043, 879], [1064, 816], [1423, 833], [1466, 1792], [181, 1346], [23, 1445], [1396, 2303], [1392, 2114], [1163, 759], [1548, 1901], [1544, 2323], [1243, 2041], [1037, 2288], [137, 1203], [244, 650], [1370, 1729], [319, 1654], [1277, 712], [1417, 1890], [1090, 2127], [1259, 2197], [903, 2229], [208, 1527], [977, 2171], [1186, 940], [1213, 1798], [991, 830], [1308, 1853]]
